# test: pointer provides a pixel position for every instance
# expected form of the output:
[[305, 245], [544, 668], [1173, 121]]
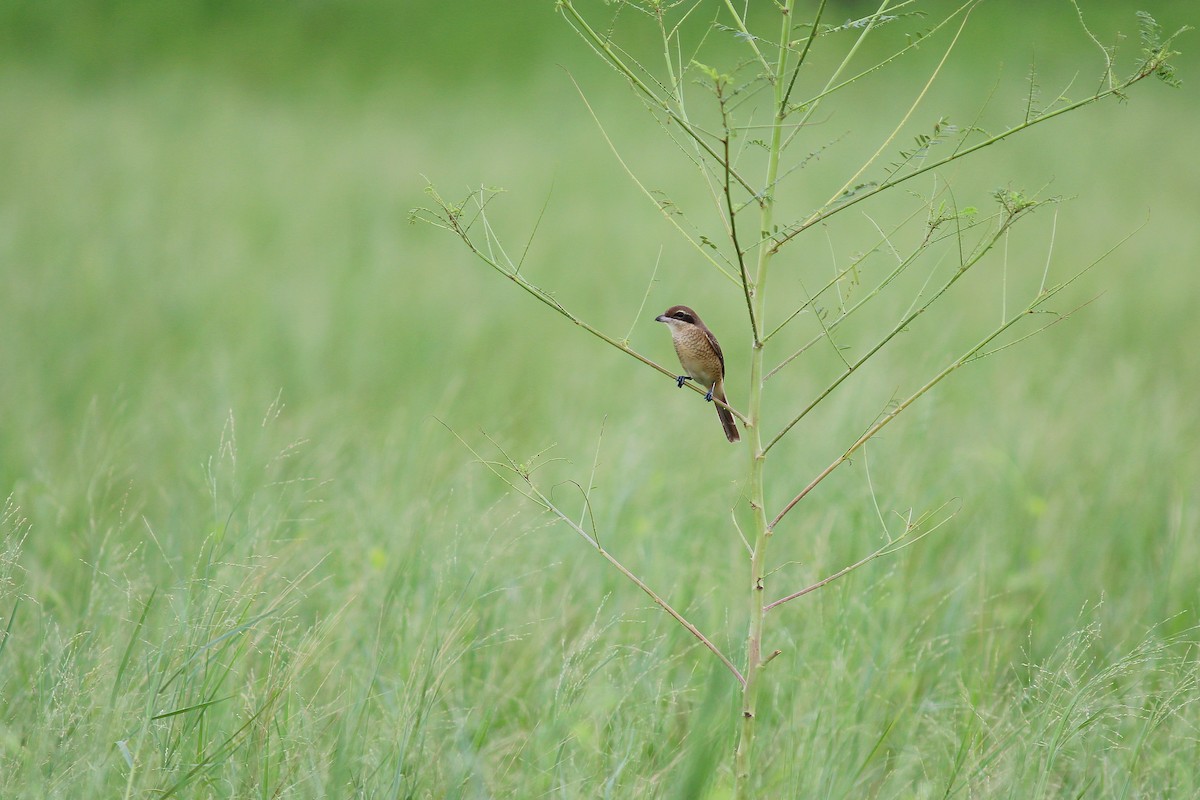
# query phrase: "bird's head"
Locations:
[[678, 315]]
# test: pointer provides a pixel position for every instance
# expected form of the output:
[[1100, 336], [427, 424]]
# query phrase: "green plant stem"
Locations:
[[747, 290], [744, 755], [975, 353], [452, 220], [879, 346], [532, 492], [852, 267], [812, 35], [751, 42], [898, 328], [833, 84], [912, 108], [605, 49], [833, 207], [810, 107], [667, 215]]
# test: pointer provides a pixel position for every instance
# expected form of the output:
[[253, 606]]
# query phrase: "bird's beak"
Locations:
[[661, 318]]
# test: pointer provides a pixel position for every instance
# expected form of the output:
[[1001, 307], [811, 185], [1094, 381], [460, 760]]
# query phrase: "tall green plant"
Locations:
[[748, 166]]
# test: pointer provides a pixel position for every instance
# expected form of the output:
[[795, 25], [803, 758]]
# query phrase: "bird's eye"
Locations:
[[680, 315]]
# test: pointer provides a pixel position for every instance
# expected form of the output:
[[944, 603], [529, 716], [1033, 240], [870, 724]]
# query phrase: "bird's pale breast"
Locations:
[[696, 356]]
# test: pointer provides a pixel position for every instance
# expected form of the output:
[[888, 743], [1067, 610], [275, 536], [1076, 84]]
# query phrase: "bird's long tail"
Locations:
[[727, 420]]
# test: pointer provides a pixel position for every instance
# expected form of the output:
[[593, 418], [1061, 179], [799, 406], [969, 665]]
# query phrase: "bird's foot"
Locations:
[[708, 396], [679, 381]]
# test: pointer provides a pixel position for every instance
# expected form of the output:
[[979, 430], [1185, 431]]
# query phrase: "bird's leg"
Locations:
[[679, 381], [708, 396]]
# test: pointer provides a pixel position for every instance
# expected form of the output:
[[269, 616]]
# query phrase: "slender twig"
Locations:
[[671, 218], [741, 533], [833, 85], [645, 297], [533, 232], [747, 288], [800, 59], [854, 179], [587, 495], [892, 546], [1060, 317], [853, 266], [531, 491], [674, 77], [868, 192], [751, 41], [605, 49], [810, 107], [828, 336], [904, 322], [973, 354], [1107, 75], [451, 219], [1049, 250]]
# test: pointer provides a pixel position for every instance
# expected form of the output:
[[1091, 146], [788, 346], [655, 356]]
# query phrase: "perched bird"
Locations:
[[701, 358]]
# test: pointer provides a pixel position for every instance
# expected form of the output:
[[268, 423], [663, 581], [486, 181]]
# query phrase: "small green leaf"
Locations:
[[707, 70]]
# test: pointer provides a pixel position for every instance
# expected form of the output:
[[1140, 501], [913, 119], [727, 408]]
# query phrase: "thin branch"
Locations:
[[1107, 75], [751, 40], [451, 219], [677, 90], [809, 107], [828, 336], [905, 321], [852, 267], [892, 546], [874, 497], [646, 296], [833, 86], [605, 49], [826, 213], [973, 354], [747, 289], [741, 534], [1060, 317], [853, 179], [1057, 319], [699, 246], [536, 224], [1050, 250], [535, 494], [812, 35], [587, 496]]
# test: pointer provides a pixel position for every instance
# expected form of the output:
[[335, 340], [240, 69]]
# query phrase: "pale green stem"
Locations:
[[820, 216], [853, 179], [976, 352], [532, 492], [891, 415], [811, 106], [852, 267], [452, 221], [610, 55], [743, 757], [645, 190], [750, 40], [900, 326]]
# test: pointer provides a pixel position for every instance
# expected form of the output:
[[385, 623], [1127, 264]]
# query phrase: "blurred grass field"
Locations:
[[242, 558]]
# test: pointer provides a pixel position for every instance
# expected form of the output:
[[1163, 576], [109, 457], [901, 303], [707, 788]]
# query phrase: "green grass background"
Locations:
[[242, 558]]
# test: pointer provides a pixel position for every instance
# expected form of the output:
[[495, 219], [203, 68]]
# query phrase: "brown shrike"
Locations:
[[701, 358]]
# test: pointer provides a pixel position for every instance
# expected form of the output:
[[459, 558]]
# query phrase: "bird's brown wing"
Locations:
[[716, 348]]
